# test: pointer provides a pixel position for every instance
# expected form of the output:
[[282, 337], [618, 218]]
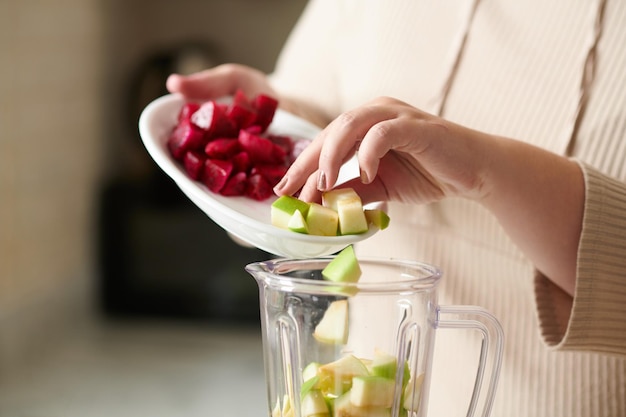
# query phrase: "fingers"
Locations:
[[368, 129], [219, 81]]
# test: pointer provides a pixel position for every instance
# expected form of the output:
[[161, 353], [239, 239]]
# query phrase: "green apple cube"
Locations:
[[310, 371], [283, 209], [331, 198], [336, 377], [377, 217], [352, 219], [386, 365], [321, 220], [372, 391], [344, 267], [313, 404], [297, 223], [412, 393], [345, 408], [285, 411], [276, 410], [308, 385], [333, 327], [310, 379], [349, 207]]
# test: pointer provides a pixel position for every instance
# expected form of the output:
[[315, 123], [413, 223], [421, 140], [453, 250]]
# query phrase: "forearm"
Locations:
[[538, 198]]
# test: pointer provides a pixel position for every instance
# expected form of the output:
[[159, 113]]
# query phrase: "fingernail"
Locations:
[[321, 181], [280, 184], [364, 177]]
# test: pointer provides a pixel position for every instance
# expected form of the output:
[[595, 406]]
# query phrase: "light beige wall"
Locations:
[[50, 130], [50, 124]]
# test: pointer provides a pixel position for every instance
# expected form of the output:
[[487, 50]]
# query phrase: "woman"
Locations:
[[497, 131]]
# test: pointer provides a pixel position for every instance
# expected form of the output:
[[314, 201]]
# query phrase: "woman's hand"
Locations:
[[410, 156], [404, 155], [226, 79], [222, 80]]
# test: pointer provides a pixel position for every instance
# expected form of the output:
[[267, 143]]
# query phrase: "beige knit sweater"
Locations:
[[519, 75]]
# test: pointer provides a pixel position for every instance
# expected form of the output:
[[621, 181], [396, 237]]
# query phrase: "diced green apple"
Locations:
[[308, 385], [345, 408], [344, 267], [336, 377], [377, 217], [333, 327], [321, 220], [314, 405], [352, 219], [386, 365], [283, 208], [412, 393], [349, 207], [310, 371], [372, 391], [331, 197], [284, 410], [310, 379], [297, 223]]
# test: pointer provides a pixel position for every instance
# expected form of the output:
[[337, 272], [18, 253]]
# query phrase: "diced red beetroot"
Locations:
[[272, 173], [241, 99], [241, 112], [216, 174], [222, 148], [185, 137], [265, 107], [254, 129], [258, 188], [241, 116], [188, 109], [284, 142], [241, 162], [194, 164], [260, 149], [236, 185], [212, 118]]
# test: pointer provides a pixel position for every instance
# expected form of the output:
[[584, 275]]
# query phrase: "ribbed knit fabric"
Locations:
[[519, 76]]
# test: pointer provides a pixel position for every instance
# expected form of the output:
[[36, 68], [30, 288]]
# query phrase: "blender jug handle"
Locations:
[[477, 318]]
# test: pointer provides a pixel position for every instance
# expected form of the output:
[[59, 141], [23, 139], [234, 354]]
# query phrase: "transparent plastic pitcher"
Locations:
[[361, 349]]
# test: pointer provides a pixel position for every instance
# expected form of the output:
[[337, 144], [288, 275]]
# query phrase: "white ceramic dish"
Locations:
[[246, 219]]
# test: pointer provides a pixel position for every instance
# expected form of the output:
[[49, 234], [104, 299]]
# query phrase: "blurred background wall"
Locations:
[[51, 118], [74, 75]]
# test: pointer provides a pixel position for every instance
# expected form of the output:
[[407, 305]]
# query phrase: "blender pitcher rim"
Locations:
[[269, 273]]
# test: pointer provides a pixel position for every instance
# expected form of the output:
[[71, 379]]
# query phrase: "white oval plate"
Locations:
[[246, 219]]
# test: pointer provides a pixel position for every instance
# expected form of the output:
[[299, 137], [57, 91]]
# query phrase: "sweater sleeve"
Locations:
[[595, 319]]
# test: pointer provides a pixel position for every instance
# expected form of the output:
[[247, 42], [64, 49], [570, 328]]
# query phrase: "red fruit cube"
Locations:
[[265, 107], [185, 137], [258, 188], [222, 148], [216, 173], [241, 162], [236, 185], [241, 116], [194, 164], [241, 112], [260, 149], [272, 173], [212, 118], [188, 109], [241, 99], [254, 129], [285, 142]]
